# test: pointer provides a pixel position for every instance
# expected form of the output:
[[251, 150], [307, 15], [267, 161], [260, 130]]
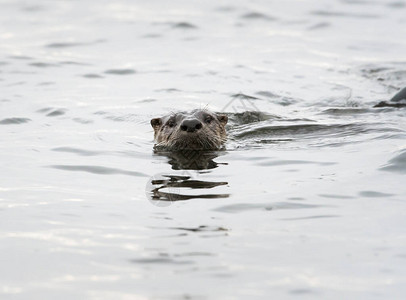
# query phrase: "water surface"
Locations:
[[307, 200]]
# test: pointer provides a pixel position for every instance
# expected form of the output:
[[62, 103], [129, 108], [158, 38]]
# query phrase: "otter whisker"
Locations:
[[197, 130]]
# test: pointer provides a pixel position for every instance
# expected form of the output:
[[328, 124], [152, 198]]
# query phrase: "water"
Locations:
[[308, 200]]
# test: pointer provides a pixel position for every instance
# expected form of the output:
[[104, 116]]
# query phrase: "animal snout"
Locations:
[[191, 125]]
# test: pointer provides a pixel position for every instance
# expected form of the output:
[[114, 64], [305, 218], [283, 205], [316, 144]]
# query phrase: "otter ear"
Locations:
[[223, 119], [156, 123]]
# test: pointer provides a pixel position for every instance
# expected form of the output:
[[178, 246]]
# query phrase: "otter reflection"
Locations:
[[190, 159], [173, 184], [176, 187]]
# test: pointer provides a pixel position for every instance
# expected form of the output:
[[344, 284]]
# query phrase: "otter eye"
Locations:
[[208, 119]]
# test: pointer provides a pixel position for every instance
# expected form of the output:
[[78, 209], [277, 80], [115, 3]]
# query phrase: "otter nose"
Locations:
[[191, 125]]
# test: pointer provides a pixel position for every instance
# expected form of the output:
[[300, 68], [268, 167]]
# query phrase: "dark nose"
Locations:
[[191, 125]]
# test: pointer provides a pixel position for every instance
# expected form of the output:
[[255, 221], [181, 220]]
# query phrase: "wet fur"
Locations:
[[169, 136]]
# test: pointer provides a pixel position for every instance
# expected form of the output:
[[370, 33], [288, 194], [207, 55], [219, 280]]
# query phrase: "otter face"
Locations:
[[196, 130]]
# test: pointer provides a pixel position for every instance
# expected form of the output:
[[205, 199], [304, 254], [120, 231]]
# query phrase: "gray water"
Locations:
[[306, 202]]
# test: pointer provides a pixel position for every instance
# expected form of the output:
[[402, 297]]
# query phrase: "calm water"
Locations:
[[307, 202]]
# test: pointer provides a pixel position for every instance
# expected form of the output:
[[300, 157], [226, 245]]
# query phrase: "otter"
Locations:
[[199, 129]]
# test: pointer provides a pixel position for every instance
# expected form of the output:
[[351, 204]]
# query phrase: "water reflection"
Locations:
[[168, 188], [181, 186], [191, 159]]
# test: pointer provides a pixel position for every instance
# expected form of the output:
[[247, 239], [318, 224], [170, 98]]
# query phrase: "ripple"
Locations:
[[391, 73], [243, 96], [120, 71], [159, 260], [278, 99], [72, 44], [73, 63], [148, 100], [53, 112], [201, 228], [294, 162], [397, 75], [152, 36], [225, 9], [14, 121], [303, 130], [397, 164], [326, 13], [84, 152], [397, 4], [242, 207], [399, 104], [320, 25], [77, 151], [63, 45], [267, 94], [248, 117], [21, 57], [92, 76], [33, 8], [82, 121], [400, 96], [98, 170], [194, 254], [122, 118], [184, 25], [347, 111], [170, 90], [257, 16], [17, 83], [334, 196], [299, 292], [241, 102], [399, 100], [311, 217], [42, 65], [374, 194], [46, 83]]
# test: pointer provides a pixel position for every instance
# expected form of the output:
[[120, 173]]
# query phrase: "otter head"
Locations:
[[195, 130]]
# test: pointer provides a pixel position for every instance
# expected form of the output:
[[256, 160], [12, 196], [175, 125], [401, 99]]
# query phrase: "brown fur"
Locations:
[[195, 130]]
